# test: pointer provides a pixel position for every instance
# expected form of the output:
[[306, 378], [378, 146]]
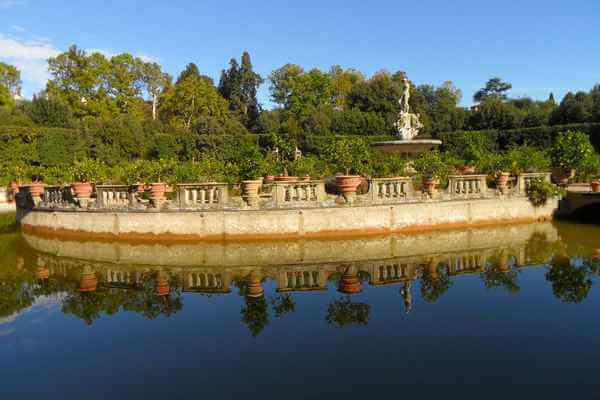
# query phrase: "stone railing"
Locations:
[[390, 190], [114, 196], [202, 195], [286, 194], [57, 197], [524, 179], [467, 186]]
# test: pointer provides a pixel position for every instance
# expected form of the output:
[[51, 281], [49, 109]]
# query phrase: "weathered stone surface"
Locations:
[[292, 223]]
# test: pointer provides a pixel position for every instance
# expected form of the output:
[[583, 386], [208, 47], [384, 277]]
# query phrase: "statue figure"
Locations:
[[408, 124], [297, 153]]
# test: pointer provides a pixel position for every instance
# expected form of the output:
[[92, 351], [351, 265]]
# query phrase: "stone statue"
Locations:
[[408, 124]]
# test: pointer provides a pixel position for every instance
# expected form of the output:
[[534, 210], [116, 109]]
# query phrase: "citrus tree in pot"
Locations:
[[351, 155], [570, 151], [431, 168], [85, 173], [498, 166], [158, 173], [251, 166]]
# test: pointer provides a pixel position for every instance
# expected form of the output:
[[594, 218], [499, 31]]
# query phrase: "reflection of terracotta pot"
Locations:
[[350, 284], [83, 190], [162, 286], [595, 186], [269, 179], [596, 254], [157, 191], [502, 181], [286, 178], [347, 184], [250, 191], [88, 282], [255, 289], [36, 189], [561, 176], [42, 273]]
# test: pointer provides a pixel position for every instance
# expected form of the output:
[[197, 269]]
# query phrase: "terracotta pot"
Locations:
[[36, 189], [347, 184], [595, 186], [88, 282], [502, 181], [286, 178], [162, 287], [561, 176], [255, 288], [83, 190], [250, 190], [269, 179], [429, 185], [42, 273], [466, 169], [140, 187], [350, 284], [157, 190]]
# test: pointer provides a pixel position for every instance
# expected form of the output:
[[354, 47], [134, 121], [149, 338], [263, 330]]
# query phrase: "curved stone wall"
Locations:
[[247, 224]]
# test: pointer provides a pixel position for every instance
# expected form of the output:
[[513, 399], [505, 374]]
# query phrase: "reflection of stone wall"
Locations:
[[299, 252], [296, 223]]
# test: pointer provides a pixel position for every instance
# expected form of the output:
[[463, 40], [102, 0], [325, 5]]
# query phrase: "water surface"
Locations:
[[514, 304]]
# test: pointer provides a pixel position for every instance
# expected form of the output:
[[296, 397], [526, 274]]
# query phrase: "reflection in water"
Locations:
[[96, 282]]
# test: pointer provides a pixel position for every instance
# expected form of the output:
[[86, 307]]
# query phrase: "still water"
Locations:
[[512, 304]]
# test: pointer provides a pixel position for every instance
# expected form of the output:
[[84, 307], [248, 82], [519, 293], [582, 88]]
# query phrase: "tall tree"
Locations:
[[10, 79], [155, 82], [239, 85], [494, 89]]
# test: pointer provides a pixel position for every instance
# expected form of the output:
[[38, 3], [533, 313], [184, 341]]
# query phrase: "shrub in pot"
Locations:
[[158, 173], [571, 150], [498, 167], [525, 158], [431, 168], [250, 170], [353, 156], [539, 191], [85, 173]]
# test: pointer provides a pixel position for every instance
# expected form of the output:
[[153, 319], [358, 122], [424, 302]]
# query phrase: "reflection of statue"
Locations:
[[408, 124], [406, 294]]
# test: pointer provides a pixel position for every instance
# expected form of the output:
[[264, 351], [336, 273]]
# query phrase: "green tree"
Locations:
[[239, 85], [495, 88], [10, 84], [155, 82]]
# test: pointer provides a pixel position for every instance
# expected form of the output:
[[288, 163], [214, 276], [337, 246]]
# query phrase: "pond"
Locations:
[[511, 304]]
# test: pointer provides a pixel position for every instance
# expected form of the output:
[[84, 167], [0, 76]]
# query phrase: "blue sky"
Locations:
[[538, 46]]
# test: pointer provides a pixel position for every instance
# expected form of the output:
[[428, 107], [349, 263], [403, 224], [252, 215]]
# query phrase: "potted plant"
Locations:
[[85, 173], [524, 159], [431, 168], [157, 172], [251, 169], [498, 167], [36, 185], [305, 166], [571, 150], [351, 155]]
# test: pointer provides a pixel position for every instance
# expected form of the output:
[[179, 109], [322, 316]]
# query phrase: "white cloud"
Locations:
[[111, 53], [18, 28], [10, 3], [31, 59]]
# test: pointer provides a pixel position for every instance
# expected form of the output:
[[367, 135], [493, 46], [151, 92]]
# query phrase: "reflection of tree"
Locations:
[[15, 295], [498, 274], [571, 284], [144, 300], [283, 305], [255, 314], [344, 312], [435, 281]]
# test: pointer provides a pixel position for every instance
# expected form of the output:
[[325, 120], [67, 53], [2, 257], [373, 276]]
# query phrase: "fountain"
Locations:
[[407, 129]]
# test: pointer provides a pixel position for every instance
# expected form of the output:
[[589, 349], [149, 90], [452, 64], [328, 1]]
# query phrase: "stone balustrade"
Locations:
[[286, 194], [202, 195], [57, 197], [206, 282], [114, 196], [301, 279], [390, 190], [467, 186], [524, 179]]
